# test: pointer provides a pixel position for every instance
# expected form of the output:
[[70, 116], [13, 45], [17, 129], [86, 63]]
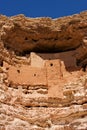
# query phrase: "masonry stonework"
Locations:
[[43, 73]]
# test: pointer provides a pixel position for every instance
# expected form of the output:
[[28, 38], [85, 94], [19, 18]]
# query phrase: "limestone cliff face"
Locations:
[[43, 75]]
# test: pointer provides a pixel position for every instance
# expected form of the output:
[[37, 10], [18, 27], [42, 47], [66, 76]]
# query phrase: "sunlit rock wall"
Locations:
[[43, 75]]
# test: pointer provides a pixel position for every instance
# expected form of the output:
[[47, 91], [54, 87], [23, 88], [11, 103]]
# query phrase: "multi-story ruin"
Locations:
[[43, 76]]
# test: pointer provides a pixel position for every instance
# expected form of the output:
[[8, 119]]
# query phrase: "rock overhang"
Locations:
[[45, 35], [43, 90]]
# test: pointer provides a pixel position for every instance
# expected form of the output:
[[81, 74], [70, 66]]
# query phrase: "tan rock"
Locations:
[[43, 75]]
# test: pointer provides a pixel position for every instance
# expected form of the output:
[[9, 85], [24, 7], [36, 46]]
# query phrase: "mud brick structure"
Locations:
[[43, 74]]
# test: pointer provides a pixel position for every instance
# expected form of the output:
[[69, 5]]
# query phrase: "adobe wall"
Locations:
[[44, 69], [36, 60], [43, 91], [53, 71], [26, 75]]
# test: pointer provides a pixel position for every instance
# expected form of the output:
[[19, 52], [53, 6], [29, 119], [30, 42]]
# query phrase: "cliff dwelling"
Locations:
[[45, 69], [43, 74]]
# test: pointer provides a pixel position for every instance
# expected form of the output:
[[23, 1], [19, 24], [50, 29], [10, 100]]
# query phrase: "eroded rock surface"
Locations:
[[43, 75]]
